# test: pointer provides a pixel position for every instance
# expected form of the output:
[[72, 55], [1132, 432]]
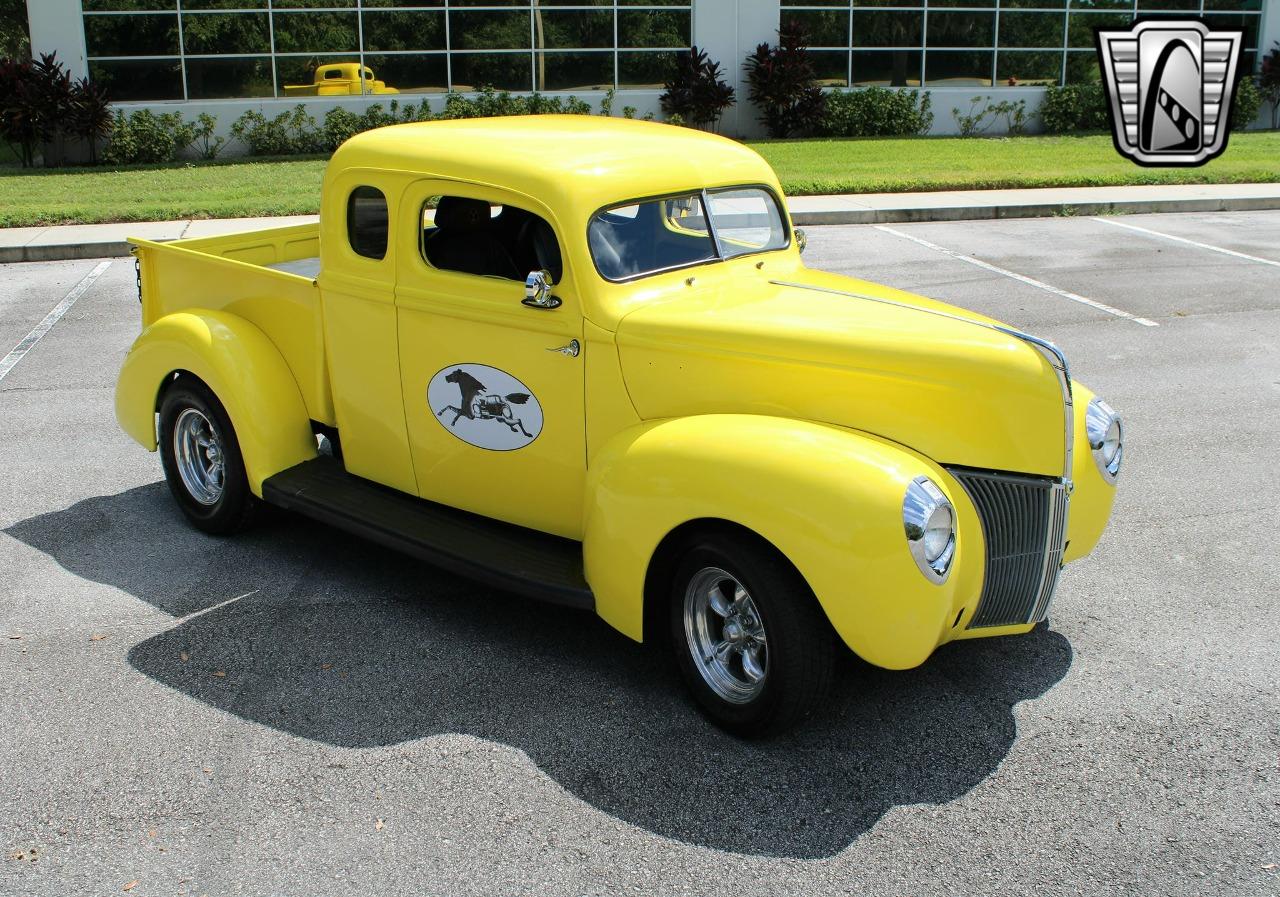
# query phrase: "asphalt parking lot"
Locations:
[[295, 712]]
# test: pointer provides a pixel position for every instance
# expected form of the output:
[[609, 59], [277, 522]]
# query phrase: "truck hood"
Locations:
[[936, 378]]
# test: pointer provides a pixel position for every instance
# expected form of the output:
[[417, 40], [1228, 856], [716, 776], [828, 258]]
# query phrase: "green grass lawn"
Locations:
[[952, 163], [286, 187]]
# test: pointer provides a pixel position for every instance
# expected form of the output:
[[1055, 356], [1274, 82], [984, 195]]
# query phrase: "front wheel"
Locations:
[[202, 461], [751, 640]]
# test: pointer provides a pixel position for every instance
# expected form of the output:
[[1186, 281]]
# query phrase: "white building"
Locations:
[[226, 56]]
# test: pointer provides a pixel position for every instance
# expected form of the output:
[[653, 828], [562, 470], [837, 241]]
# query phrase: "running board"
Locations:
[[502, 555]]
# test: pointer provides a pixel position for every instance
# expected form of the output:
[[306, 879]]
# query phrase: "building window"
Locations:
[[984, 43], [214, 49]]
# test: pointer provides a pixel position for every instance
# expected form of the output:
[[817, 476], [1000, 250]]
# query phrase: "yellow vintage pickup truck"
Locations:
[[340, 79], [581, 359]]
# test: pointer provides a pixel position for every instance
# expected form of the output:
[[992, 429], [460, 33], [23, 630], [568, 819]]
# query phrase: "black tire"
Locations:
[[235, 507], [800, 647]]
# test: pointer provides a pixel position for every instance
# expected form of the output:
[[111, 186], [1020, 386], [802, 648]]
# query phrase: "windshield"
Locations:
[[639, 238]]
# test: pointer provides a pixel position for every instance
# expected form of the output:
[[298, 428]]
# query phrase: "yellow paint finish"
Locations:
[[242, 367], [717, 391], [736, 342], [207, 274], [361, 336], [447, 318], [609, 408], [574, 165], [829, 498]]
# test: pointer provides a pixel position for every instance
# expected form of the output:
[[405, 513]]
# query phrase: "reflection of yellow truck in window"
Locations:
[[340, 79], [581, 359]]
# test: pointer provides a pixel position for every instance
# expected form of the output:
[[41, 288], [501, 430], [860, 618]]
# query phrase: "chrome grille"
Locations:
[[1024, 524]]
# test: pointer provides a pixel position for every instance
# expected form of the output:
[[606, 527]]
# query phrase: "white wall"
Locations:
[[729, 30], [55, 26]]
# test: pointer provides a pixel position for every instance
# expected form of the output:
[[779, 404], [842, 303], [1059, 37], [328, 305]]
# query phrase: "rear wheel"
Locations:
[[751, 640], [202, 461]]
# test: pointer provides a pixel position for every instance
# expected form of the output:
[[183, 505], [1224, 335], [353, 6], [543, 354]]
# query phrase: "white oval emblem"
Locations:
[[484, 407]]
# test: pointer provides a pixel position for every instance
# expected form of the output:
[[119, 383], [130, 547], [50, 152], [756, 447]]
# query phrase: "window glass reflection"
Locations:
[[143, 35], [138, 79], [218, 79]]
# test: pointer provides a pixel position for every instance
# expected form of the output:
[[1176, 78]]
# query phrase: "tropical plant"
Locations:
[[783, 84], [697, 92], [90, 114], [18, 127], [35, 104]]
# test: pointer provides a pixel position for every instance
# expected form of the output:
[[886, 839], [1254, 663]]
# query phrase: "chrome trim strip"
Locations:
[[1055, 546], [1057, 360]]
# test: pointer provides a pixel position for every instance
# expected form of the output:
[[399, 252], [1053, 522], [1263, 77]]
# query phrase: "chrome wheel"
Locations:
[[725, 635], [197, 450]]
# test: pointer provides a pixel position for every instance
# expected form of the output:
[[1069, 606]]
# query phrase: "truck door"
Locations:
[[493, 387]]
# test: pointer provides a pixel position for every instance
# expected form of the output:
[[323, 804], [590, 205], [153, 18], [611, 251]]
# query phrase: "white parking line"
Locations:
[[1022, 278], [28, 342], [1198, 245]]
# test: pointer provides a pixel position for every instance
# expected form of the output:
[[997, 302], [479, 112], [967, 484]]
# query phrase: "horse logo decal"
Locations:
[[484, 407]]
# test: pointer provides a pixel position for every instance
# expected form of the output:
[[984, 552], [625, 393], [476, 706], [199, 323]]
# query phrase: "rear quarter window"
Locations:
[[367, 222]]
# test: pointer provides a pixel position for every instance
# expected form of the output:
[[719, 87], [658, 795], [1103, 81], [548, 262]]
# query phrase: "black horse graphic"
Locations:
[[478, 404]]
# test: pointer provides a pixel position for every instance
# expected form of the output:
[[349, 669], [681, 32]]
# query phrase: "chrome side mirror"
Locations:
[[537, 291], [801, 240]]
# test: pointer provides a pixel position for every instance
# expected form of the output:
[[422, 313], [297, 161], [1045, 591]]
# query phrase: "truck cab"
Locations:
[[520, 349], [340, 79]]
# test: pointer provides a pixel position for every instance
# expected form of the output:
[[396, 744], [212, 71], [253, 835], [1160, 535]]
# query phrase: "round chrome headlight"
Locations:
[[930, 525], [1106, 438]]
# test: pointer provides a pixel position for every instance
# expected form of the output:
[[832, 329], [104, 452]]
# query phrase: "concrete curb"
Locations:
[[892, 210], [53, 252], [1033, 210]]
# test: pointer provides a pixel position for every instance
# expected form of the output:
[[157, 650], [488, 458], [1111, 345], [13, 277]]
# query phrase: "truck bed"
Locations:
[[267, 277]]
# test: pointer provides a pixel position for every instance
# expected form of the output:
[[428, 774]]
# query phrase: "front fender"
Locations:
[[245, 371], [828, 498]]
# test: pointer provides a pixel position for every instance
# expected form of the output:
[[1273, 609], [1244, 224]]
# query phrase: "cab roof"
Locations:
[[575, 164]]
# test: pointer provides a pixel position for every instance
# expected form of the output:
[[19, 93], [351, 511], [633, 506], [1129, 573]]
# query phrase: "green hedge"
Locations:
[[876, 112]]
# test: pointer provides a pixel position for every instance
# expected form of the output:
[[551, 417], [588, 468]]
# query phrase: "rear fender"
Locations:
[[245, 371], [830, 499]]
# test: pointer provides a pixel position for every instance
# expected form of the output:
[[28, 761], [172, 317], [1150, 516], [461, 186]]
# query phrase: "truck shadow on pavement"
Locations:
[[348, 644]]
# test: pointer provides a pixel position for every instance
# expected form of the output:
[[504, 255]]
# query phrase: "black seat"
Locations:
[[538, 244], [466, 240]]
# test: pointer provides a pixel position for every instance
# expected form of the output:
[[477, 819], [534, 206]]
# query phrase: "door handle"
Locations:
[[573, 349]]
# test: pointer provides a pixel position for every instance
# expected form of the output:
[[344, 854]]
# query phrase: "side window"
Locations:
[[367, 222], [473, 236]]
